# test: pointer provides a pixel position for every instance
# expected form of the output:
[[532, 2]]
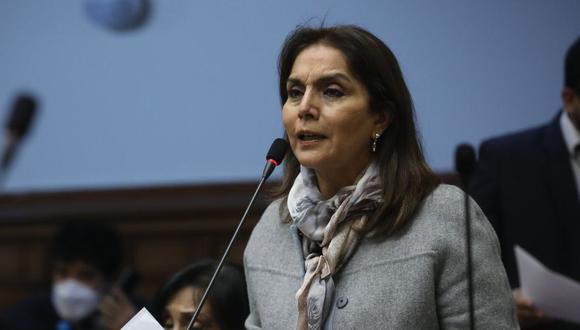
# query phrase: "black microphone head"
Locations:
[[465, 160], [22, 115], [277, 150]]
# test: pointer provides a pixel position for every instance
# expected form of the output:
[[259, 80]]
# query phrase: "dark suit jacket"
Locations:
[[525, 185]]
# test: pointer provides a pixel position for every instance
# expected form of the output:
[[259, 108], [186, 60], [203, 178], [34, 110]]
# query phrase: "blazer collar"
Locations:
[[558, 172]]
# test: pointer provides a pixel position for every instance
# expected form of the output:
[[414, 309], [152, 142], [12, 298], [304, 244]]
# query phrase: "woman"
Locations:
[[225, 309], [362, 235]]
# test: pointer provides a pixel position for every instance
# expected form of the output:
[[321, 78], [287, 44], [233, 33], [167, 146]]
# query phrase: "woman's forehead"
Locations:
[[320, 62], [319, 59]]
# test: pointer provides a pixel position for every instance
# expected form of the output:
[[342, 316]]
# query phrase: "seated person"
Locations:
[[225, 309], [85, 259]]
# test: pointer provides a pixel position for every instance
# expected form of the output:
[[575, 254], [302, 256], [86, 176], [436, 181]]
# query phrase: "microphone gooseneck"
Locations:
[[274, 157], [465, 163]]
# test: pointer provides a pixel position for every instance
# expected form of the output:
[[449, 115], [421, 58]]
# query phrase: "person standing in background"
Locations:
[[527, 184]]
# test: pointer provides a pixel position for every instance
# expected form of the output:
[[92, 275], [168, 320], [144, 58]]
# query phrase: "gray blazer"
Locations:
[[415, 279]]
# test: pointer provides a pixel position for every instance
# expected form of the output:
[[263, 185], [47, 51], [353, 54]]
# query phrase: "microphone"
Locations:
[[17, 126], [465, 163], [273, 158]]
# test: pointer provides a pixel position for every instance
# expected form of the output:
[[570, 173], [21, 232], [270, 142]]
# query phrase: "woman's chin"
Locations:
[[310, 162]]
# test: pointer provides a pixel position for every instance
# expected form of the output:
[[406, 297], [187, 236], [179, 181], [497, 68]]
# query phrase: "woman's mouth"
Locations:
[[306, 137]]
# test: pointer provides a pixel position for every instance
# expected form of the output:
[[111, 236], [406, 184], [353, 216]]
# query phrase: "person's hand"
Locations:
[[116, 309], [528, 314]]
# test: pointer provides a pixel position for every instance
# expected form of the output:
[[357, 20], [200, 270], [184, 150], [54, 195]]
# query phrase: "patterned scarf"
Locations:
[[331, 230]]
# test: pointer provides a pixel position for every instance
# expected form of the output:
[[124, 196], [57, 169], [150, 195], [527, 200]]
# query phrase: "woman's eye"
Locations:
[[294, 93], [333, 92]]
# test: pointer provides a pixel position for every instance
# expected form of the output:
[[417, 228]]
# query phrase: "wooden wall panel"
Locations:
[[163, 229]]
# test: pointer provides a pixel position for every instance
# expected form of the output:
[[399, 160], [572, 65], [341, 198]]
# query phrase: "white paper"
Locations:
[[142, 321], [556, 295]]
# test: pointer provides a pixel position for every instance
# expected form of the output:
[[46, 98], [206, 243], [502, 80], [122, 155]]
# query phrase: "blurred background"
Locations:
[[155, 116], [190, 96]]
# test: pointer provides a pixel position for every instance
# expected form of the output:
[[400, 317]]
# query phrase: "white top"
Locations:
[[572, 140]]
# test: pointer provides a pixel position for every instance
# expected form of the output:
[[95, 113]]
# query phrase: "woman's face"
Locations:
[[326, 115], [181, 307]]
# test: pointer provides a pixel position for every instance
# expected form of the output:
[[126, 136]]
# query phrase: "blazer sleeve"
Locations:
[[493, 302]]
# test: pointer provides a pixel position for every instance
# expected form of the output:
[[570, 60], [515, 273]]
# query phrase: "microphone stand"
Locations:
[[267, 171], [465, 163], [469, 256], [8, 153], [2, 179]]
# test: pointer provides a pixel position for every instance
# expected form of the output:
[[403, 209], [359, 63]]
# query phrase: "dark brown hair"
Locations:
[[94, 243], [407, 179], [228, 298]]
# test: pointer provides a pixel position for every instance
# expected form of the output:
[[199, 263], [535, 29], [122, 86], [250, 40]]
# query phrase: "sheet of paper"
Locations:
[[555, 294], [143, 320]]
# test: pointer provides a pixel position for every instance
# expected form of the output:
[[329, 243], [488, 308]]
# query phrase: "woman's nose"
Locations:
[[309, 106]]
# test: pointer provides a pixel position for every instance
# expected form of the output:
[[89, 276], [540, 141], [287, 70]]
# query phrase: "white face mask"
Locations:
[[74, 300]]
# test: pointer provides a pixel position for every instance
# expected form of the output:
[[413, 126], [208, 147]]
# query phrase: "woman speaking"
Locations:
[[362, 235]]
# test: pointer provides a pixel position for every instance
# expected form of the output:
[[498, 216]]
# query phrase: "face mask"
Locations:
[[74, 300]]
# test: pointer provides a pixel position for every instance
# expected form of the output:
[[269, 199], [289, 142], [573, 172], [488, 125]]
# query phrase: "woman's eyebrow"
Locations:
[[293, 81], [323, 79], [334, 76], [185, 312]]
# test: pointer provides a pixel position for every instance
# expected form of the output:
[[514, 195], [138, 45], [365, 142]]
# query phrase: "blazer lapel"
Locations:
[[559, 171], [564, 194]]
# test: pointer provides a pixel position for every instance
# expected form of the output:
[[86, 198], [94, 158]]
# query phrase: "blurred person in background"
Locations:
[[85, 258], [225, 309], [527, 183]]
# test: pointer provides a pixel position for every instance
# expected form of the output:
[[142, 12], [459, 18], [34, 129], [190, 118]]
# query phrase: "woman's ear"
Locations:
[[382, 122]]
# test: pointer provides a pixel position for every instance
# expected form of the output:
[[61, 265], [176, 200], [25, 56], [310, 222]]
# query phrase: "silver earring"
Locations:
[[377, 136]]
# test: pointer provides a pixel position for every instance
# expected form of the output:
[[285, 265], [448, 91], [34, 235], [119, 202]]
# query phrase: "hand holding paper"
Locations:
[[553, 293]]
